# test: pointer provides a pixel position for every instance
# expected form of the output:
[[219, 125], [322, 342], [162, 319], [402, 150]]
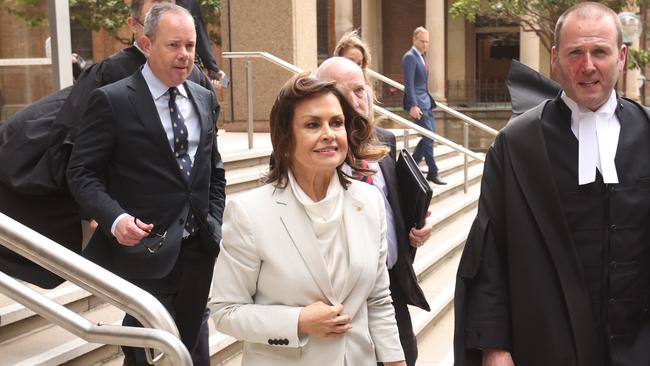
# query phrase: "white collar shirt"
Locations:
[[159, 92]]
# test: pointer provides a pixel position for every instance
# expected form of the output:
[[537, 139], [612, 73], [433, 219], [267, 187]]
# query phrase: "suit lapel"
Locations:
[[528, 149], [295, 221], [199, 103], [357, 238], [143, 104], [419, 64]]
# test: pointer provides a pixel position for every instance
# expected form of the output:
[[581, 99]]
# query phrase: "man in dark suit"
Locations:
[[145, 165], [556, 268], [417, 100], [402, 240], [35, 145]]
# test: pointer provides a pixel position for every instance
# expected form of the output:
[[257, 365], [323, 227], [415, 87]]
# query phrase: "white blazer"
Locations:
[[270, 267]]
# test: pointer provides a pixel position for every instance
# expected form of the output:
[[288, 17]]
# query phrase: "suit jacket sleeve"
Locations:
[[217, 184], [409, 68], [237, 268], [72, 111], [89, 159], [203, 47], [381, 314], [483, 268]]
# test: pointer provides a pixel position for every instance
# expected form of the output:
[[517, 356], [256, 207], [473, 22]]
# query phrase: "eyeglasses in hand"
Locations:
[[154, 241]]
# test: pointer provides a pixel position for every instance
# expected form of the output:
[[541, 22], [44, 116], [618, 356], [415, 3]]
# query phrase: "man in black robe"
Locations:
[[556, 268]]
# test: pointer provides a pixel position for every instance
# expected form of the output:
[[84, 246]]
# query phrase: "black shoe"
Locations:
[[435, 178]]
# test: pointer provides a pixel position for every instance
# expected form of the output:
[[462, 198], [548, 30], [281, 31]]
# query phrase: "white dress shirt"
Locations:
[[391, 234]]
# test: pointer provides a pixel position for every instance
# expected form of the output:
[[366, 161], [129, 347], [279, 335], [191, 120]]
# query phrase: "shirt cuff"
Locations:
[[116, 221]]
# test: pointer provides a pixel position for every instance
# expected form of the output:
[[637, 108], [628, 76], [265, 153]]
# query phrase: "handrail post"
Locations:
[[406, 138], [466, 145], [249, 92]]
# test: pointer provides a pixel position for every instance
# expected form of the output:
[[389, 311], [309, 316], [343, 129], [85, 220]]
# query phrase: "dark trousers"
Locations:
[[424, 148], [404, 324], [184, 293]]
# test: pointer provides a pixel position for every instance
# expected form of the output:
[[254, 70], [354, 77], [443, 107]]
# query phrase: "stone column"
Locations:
[[457, 56], [343, 18], [533, 53], [59, 21], [284, 28], [632, 78], [436, 17], [371, 31]]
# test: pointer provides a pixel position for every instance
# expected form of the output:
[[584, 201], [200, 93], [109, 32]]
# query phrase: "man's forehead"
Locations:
[[583, 33]]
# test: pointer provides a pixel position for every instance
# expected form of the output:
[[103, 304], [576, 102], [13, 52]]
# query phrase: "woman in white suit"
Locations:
[[301, 277]]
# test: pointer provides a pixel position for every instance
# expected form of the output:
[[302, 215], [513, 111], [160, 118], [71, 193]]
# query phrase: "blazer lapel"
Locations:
[[528, 149], [357, 240], [295, 221], [143, 104]]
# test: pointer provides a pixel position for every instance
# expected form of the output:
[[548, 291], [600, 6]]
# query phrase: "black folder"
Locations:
[[415, 193]]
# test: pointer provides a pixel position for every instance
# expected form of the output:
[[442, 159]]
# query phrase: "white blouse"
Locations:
[[326, 217]]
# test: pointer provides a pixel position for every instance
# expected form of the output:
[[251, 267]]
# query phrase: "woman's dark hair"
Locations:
[[362, 142]]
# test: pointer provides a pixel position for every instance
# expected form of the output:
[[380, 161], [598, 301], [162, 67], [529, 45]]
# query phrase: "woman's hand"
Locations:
[[497, 357], [322, 320]]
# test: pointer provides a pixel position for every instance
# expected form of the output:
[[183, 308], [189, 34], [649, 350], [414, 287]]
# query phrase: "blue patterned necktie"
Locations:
[[181, 144]]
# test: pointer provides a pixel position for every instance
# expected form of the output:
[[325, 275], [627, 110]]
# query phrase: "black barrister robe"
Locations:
[[522, 239]]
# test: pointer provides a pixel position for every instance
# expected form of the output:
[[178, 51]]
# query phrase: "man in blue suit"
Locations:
[[417, 100]]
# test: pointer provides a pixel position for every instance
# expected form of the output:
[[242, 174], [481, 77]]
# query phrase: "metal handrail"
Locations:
[[99, 281], [427, 133], [377, 108], [443, 107], [25, 61], [265, 55]]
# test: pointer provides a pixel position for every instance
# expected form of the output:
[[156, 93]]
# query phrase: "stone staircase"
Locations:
[[27, 339]]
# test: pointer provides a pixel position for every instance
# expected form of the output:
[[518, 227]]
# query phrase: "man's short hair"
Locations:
[[152, 20], [589, 10], [136, 7], [419, 30]]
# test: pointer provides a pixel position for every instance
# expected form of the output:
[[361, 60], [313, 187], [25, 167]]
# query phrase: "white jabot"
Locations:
[[597, 133], [326, 217]]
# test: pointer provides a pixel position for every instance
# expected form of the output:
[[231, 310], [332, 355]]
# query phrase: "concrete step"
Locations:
[[455, 182], [53, 345], [16, 320], [435, 344], [27, 339]]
